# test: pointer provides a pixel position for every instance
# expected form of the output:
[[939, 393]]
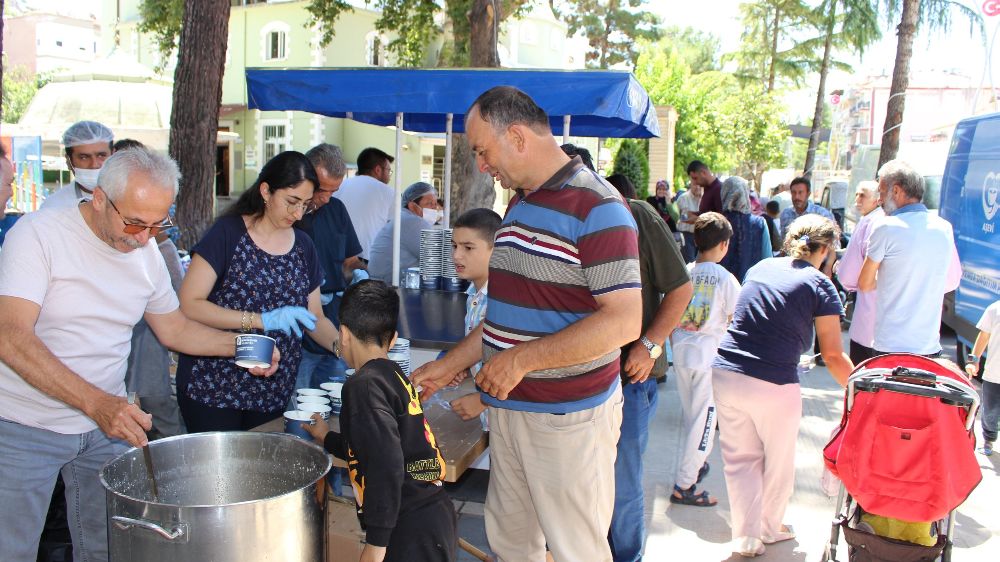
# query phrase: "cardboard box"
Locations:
[[344, 538]]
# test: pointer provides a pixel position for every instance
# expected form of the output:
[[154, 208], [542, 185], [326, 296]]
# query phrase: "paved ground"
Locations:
[[702, 534]]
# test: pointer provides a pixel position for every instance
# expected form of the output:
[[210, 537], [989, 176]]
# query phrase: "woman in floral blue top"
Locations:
[[253, 272]]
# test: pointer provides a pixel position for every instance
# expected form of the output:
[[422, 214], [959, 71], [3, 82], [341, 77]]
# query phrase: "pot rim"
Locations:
[[108, 488]]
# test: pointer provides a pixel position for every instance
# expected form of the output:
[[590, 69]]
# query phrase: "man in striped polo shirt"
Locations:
[[564, 297]]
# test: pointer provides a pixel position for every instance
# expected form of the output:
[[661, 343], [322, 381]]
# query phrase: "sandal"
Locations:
[[702, 472], [690, 497]]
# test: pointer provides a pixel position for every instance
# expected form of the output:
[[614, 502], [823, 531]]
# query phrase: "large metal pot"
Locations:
[[223, 496]]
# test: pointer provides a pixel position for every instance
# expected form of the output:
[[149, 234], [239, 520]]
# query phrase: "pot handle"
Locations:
[[176, 531]]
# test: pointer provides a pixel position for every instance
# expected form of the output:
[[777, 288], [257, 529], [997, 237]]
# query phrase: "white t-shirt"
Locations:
[[700, 330], [91, 296], [918, 264], [990, 323], [687, 203], [369, 203], [67, 196]]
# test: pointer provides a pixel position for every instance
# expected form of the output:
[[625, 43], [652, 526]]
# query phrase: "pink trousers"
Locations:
[[759, 425]]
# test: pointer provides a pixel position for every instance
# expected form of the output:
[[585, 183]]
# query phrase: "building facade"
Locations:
[[42, 43]]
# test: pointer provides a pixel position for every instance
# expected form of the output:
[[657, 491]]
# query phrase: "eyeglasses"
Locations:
[[305, 206], [136, 228]]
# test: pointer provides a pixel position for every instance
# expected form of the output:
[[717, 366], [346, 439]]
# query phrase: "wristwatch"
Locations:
[[973, 359], [654, 350]]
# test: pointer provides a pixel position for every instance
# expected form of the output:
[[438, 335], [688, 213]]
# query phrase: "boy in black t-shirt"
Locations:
[[394, 463]]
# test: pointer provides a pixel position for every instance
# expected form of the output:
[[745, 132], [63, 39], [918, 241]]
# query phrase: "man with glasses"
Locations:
[[368, 197], [73, 282], [88, 144], [331, 230]]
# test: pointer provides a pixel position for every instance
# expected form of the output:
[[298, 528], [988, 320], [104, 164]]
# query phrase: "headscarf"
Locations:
[[735, 195]]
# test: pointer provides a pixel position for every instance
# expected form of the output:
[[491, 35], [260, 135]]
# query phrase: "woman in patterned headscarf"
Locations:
[[751, 241]]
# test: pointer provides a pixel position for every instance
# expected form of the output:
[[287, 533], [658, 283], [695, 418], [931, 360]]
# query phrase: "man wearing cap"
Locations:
[[88, 144], [73, 282], [420, 212]]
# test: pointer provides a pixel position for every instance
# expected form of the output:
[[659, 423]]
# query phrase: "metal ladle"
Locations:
[[147, 457]]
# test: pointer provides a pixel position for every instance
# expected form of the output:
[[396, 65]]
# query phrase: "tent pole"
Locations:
[[398, 205], [566, 119], [447, 169]]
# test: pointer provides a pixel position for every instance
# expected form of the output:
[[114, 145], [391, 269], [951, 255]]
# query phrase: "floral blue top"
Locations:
[[253, 280]]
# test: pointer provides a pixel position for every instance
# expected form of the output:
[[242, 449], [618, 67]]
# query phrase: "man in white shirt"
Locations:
[[88, 145], [913, 261], [73, 283], [368, 197], [687, 205]]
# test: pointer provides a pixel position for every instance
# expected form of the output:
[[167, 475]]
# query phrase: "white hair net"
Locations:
[[87, 132]]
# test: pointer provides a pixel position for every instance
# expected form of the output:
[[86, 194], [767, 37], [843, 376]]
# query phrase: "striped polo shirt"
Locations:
[[558, 248]]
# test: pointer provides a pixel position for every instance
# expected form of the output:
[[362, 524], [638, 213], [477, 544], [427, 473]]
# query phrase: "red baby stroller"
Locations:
[[904, 450]]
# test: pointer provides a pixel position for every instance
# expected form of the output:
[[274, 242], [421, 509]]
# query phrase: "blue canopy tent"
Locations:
[[596, 103]]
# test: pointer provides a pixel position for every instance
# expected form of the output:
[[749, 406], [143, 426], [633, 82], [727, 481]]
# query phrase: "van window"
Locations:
[[987, 136], [932, 192]]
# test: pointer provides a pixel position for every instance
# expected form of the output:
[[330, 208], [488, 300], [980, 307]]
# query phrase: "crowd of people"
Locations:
[[589, 288]]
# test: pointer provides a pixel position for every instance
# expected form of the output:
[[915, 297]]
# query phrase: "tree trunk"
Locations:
[[774, 49], [906, 31], [469, 187], [194, 121], [820, 93]]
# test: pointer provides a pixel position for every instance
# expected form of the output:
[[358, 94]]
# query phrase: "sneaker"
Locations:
[[750, 547], [987, 448]]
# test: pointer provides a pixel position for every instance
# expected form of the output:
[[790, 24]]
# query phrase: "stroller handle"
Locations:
[[916, 382]]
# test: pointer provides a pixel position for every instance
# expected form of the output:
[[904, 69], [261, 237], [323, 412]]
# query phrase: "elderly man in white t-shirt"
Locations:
[[913, 261], [73, 283]]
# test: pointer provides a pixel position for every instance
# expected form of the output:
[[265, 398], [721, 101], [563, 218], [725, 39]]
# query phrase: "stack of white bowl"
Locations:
[[400, 353], [432, 258], [314, 400]]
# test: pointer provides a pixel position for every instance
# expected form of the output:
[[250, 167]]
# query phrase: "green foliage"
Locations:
[[19, 88], [411, 24], [757, 135], [935, 15], [162, 19], [729, 128], [632, 161], [699, 50], [324, 13], [767, 49], [701, 120], [611, 27]]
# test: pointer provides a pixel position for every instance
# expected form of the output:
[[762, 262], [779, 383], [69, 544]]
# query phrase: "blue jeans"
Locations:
[[991, 410], [628, 529], [688, 251], [314, 370], [30, 460]]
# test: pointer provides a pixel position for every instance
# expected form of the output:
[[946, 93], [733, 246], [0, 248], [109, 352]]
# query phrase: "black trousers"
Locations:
[[427, 534], [198, 417], [859, 353]]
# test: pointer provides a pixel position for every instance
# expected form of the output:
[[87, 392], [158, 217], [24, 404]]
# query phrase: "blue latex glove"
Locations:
[[287, 320], [358, 276]]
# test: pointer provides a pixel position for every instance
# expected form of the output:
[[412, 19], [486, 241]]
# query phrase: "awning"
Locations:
[[600, 103]]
